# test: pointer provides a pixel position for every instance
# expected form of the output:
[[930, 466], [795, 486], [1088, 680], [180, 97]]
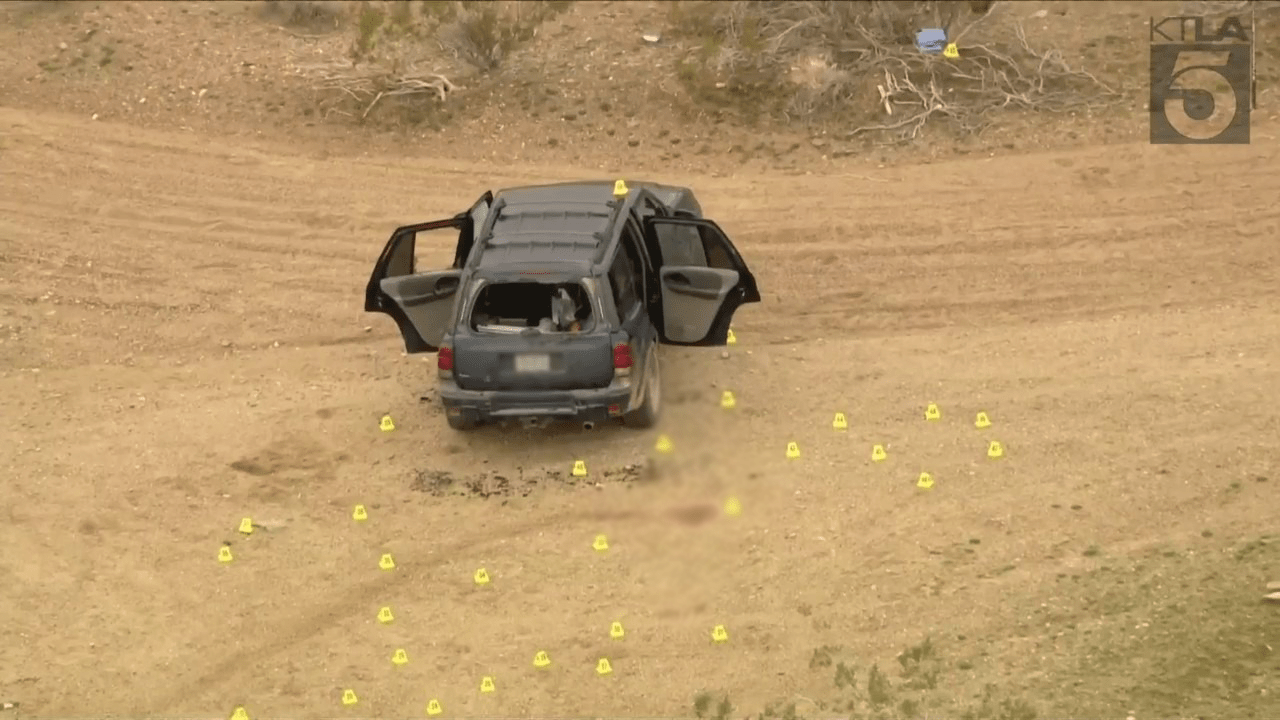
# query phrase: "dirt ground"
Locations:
[[182, 345]]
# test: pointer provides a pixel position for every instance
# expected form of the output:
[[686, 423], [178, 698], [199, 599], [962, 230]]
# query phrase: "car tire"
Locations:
[[461, 423], [646, 416]]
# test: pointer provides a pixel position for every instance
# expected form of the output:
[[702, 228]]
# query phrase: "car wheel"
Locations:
[[461, 422], [646, 416]]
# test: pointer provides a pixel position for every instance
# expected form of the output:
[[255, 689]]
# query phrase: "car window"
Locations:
[[681, 245], [624, 277]]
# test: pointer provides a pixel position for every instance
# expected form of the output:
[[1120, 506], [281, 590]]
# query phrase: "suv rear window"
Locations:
[[508, 308]]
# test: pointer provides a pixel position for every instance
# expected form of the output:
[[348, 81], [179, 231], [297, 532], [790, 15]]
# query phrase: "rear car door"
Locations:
[[627, 280], [422, 302], [702, 279]]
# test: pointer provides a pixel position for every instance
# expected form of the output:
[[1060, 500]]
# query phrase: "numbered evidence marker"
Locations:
[[224, 554], [663, 445], [540, 660], [246, 526], [951, 51], [433, 707], [719, 634], [995, 449], [399, 657], [982, 420], [386, 424], [386, 562], [359, 514], [603, 667], [732, 339], [840, 422], [482, 577], [239, 714], [878, 454], [385, 616], [349, 697], [615, 631], [932, 412], [486, 684], [600, 544], [925, 482], [732, 507], [579, 468], [728, 401], [793, 451]]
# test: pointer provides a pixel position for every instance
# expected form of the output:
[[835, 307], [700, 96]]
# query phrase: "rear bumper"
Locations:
[[591, 405]]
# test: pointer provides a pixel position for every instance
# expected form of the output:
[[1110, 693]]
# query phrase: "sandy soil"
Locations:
[[182, 346]]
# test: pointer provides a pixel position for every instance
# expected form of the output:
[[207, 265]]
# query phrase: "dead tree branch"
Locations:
[[370, 83], [862, 56]]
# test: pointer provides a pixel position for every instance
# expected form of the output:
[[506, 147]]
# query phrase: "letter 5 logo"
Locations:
[[1201, 87]]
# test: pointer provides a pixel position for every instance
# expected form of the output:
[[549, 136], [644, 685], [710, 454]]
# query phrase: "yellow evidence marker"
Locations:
[[386, 562], [359, 514], [603, 667], [386, 424], [224, 554], [482, 577], [663, 445], [732, 339], [840, 422], [925, 482], [486, 684], [579, 468], [400, 657], [615, 631], [732, 507], [728, 401], [878, 453], [951, 51], [239, 714], [995, 449], [349, 697], [719, 634], [540, 660], [385, 616], [982, 421], [600, 544], [793, 451], [620, 189], [433, 707], [932, 412], [246, 526]]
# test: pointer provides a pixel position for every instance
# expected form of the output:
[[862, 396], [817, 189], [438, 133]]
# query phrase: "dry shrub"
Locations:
[[483, 33], [857, 62], [407, 53], [310, 14]]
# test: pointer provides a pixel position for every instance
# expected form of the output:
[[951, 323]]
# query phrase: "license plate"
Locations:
[[533, 363]]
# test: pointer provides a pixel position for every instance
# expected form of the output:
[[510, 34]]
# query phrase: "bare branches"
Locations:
[[965, 90], [858, 60], [368, 84]]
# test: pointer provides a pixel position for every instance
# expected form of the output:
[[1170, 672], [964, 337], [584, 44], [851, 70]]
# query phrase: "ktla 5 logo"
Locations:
[[1201, 83]]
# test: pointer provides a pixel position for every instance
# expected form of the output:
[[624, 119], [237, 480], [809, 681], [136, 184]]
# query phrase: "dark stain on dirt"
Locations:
[[520, 483]]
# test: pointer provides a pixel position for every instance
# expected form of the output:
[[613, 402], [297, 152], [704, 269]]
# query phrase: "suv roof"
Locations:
[[563, 224]]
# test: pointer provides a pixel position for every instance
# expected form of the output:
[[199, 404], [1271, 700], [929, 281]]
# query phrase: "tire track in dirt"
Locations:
[[267, 646]]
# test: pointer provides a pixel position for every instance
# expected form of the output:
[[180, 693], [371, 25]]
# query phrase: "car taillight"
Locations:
[[444, 360], [621, 358]]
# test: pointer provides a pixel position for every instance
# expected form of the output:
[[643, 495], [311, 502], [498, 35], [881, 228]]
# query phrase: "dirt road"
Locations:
[[183, 346]]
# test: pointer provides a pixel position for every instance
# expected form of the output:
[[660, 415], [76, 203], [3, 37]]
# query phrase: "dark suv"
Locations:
[[558, 297]]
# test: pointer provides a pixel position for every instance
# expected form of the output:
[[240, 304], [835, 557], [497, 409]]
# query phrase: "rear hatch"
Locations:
[[533, 336]]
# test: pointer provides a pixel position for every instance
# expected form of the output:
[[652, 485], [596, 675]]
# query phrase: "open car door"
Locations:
[[422, 302], [702, 279]]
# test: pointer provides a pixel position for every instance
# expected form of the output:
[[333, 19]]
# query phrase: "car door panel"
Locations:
[[427, 301], [702, 280], [691, 300], [421, 303]]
